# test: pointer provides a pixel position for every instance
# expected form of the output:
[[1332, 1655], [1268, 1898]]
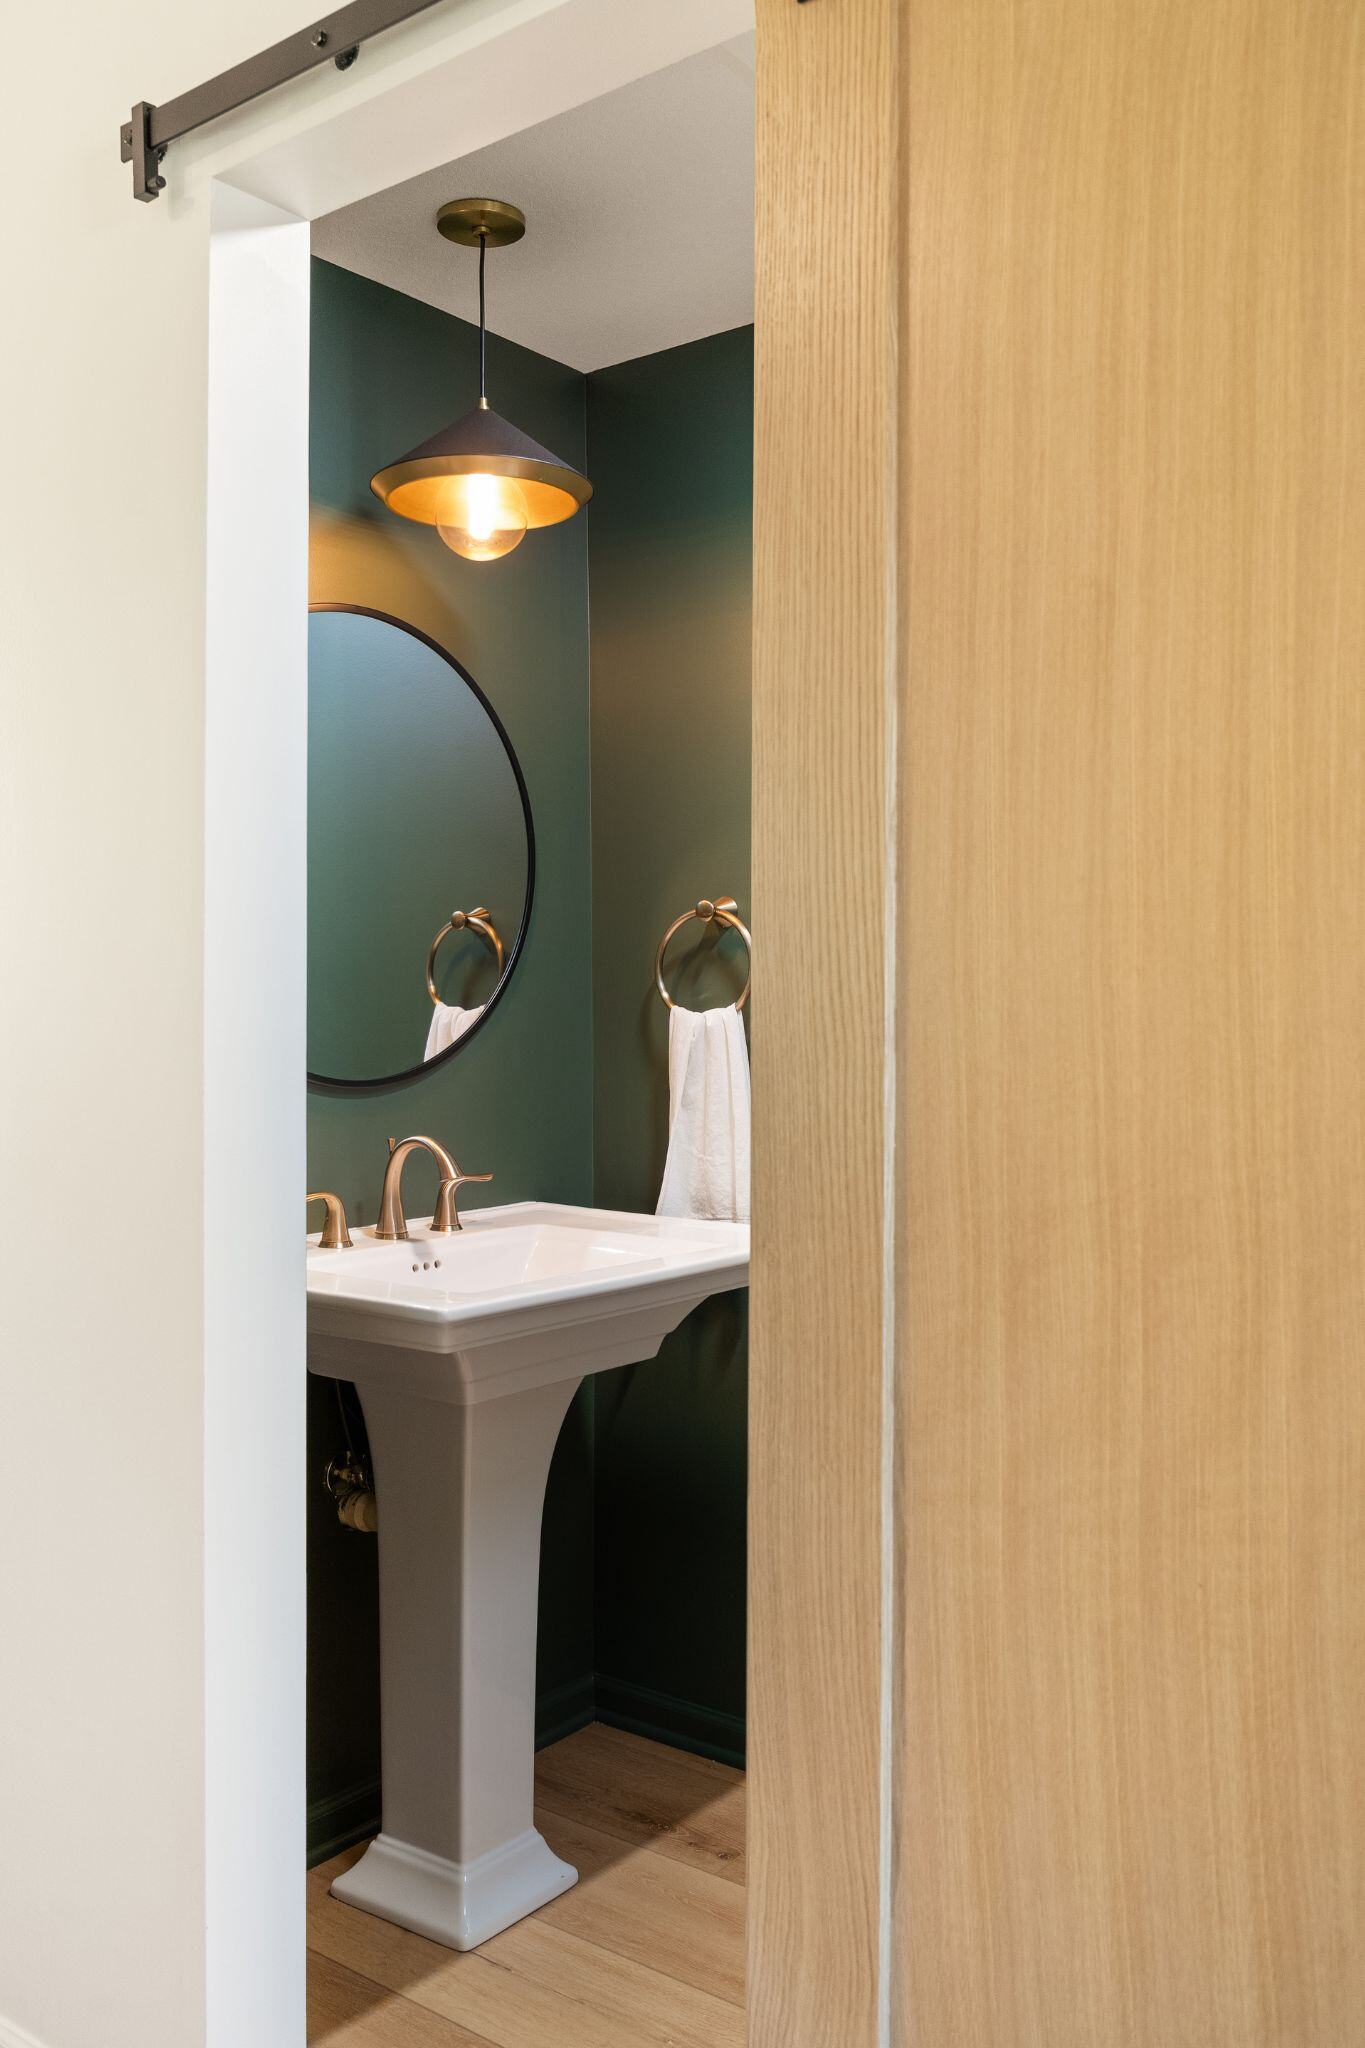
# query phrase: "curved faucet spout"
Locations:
[[391, 1222]]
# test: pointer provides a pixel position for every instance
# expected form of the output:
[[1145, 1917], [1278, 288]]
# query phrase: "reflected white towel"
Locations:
[[707, 1169], [448, 1022]]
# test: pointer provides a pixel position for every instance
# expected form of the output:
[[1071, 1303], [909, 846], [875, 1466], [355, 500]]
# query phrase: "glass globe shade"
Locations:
[[481, 516]]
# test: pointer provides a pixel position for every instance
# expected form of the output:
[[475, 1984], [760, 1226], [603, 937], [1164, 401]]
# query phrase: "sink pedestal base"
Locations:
[[461, 1904], [461, 1489]]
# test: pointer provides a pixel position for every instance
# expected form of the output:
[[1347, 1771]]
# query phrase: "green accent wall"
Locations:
[[640, 794], [670, 440], [517, 1101]]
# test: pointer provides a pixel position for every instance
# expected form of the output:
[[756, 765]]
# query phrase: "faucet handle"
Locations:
[[447, 1212], [335, 1236]]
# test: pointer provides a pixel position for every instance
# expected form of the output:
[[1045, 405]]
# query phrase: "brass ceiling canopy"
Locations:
[[481, 482], [494, 222]]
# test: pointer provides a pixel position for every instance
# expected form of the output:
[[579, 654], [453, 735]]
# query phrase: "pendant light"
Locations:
[[481, 482]]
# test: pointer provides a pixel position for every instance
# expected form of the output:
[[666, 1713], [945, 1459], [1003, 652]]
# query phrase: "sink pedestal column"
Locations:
[[461, 1491]]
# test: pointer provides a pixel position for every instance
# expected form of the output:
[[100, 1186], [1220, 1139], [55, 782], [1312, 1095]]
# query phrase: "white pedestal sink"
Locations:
[[466, 1350]]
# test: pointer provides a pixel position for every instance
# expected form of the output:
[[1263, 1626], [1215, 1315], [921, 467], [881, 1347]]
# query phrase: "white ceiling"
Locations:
[[639, 210]]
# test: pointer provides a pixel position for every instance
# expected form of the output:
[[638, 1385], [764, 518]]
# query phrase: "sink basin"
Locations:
[[521, 1295], [466, 1349], [491, 1262]]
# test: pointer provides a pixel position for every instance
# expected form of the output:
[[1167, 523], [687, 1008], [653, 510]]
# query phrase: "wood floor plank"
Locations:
[[652, 1908], [643, 2004], [647, 1950], [345, 2010], [684, 1806], [533, 1987]]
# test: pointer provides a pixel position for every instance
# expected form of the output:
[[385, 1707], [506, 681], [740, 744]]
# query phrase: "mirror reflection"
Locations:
[[420, 850]]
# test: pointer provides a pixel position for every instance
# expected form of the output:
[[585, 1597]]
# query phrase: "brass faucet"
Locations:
[[335, 1235], [392, 1223]]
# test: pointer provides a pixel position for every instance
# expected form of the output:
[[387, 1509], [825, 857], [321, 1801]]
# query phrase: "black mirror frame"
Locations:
[[365, 611]]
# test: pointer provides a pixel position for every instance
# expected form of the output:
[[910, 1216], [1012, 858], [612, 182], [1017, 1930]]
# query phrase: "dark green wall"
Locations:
[[670, 439], [386, 370], [640, 795]]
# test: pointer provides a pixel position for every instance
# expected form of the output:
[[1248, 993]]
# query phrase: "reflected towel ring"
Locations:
[[723, 911], [461, 920]]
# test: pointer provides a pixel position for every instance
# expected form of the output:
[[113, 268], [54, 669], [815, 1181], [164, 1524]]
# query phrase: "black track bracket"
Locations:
[[335, 39]]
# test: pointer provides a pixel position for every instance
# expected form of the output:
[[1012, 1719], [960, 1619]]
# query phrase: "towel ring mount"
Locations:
[[463, 920], [723, 910]]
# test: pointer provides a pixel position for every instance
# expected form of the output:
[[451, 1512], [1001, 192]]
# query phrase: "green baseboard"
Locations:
[[341, 1818], [682, 1724], [565, 1709]]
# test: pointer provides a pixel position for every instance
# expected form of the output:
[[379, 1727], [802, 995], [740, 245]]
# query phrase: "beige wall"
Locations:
[[1101, 349]]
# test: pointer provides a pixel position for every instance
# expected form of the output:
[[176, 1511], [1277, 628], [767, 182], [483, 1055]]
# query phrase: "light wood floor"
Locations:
[[646, 1951]]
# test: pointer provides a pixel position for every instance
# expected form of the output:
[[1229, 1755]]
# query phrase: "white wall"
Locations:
[[255, 923], [150, 1169], [102, 1835]]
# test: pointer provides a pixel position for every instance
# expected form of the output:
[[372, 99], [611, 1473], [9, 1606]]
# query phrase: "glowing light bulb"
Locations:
[[481, 516]]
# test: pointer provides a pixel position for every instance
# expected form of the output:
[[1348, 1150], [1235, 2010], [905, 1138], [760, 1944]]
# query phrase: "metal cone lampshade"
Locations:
[[480, 481]]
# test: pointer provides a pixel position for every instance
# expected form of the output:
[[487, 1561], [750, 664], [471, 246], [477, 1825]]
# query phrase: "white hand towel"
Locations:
[[448, 1022], [707, 1169]]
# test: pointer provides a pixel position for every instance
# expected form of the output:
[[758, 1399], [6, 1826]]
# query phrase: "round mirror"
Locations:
[[421, 854]]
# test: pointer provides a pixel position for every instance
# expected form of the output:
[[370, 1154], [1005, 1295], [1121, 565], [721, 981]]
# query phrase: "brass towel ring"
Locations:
[[460, 920], [723, 911]]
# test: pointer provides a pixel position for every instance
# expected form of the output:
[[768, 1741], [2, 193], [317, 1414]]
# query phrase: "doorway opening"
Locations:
[[614, 655]]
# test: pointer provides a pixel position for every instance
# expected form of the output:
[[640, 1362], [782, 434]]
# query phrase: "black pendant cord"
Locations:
[[483, 328]]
